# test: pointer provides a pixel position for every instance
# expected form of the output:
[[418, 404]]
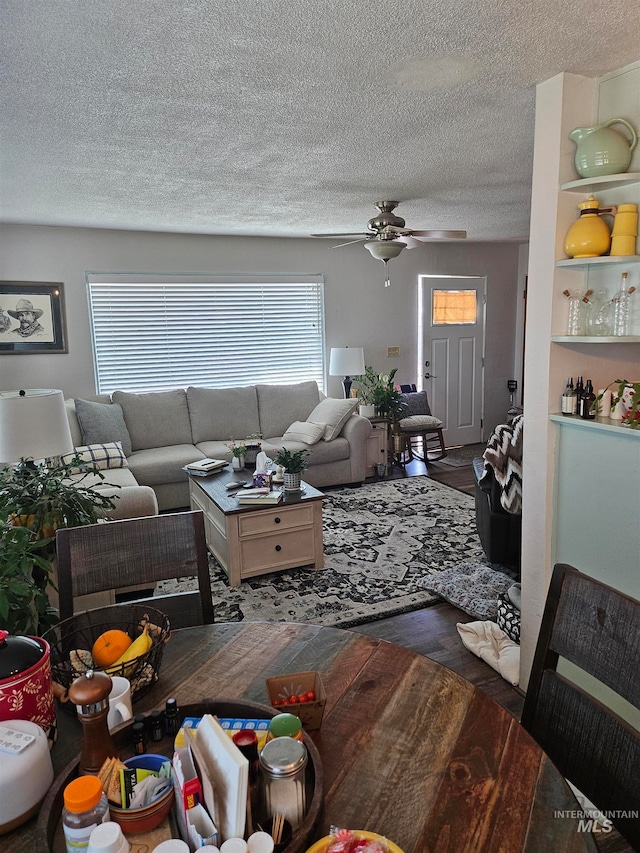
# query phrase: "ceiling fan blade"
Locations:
[[409, 242], [333, 236], [439, 235], [351, 242]]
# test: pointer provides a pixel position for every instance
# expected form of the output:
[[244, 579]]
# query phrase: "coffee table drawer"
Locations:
[[277, 551], [267, 520]]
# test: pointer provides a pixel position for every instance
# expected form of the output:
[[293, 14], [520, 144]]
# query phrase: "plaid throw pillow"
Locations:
[[101, 456]]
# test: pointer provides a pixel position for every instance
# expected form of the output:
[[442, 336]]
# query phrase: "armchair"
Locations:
[[498, 494]]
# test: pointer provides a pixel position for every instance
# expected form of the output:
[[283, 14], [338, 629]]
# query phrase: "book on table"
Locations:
[[259, 497], [205, 466]]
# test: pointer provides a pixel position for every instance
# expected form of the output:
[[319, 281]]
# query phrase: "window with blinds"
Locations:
[[454, 307], [156, 335]]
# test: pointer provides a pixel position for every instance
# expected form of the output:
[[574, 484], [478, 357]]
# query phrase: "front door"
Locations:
[[452, 315]]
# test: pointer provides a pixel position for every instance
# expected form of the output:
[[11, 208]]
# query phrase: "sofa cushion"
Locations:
[[160, 465], [118, 477], [156, 419], [281, 405], [304, 432], [221, 414], [334, 413], [415, 423], [321, 453], [100, 456], [102, 422]]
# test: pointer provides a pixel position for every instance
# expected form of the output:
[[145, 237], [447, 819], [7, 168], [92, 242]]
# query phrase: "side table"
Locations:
[[377, 444]]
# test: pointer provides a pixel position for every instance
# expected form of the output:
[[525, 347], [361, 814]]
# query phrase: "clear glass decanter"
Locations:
[[599, 319]]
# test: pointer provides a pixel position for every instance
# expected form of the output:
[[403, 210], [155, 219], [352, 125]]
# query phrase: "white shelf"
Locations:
[[602, 183], [603, 261], [593, 339], [599, 424]]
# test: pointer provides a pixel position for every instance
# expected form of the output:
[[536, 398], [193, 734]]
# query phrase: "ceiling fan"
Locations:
[[388, 235]]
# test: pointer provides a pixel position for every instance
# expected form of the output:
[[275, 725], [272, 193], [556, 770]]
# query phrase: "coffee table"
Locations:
[[249, 541]]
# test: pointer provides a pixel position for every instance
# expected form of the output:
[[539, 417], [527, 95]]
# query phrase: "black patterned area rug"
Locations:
[[380, 542]]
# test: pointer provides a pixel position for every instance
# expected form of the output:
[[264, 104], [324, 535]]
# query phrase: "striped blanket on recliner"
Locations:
[[503, 456]]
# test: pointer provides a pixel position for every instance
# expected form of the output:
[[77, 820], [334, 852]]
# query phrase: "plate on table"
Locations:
[[359, 834]]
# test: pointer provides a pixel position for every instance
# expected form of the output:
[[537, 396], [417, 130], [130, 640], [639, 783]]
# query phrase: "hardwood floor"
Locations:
[[432, 632]]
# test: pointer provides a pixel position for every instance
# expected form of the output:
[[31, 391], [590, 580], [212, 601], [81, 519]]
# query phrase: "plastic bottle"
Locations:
[[621, 307], [85, 806], [569, 398]]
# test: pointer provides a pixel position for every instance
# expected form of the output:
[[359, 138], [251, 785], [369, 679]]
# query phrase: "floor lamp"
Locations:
[[347, 362]]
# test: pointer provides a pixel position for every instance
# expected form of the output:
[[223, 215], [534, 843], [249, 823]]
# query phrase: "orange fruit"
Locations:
[[109, 646]]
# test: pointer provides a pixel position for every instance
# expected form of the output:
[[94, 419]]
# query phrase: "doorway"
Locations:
[[451, 353]]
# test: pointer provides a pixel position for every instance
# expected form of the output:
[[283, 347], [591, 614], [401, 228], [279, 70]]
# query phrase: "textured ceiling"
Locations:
[[286, 118]]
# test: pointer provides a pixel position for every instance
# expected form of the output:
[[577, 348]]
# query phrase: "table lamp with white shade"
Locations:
[[33, 425], [347, 362]]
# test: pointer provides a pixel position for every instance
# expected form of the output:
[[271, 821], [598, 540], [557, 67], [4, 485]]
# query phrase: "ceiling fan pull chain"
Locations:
[[387, 282]]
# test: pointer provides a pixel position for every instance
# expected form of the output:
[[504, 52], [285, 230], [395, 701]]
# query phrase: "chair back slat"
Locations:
[[591, 746], [99, 557], [596, 625], [597, 628]]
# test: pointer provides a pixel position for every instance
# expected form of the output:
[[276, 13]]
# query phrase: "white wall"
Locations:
[[360, 311]]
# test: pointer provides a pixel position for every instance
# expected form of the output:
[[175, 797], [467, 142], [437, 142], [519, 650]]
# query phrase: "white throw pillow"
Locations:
[[334, 413], [101, 456], [305, 432]]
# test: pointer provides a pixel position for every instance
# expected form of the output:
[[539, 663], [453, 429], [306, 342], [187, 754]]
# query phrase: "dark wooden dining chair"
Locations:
[[597, 628], [135, 552]]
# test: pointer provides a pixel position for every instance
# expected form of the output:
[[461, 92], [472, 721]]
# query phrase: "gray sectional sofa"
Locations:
[[162, 431]]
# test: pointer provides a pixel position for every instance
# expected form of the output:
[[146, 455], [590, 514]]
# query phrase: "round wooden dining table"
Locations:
[[409, 749]]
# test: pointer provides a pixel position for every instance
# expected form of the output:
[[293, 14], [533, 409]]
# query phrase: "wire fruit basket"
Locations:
[[72, 639]]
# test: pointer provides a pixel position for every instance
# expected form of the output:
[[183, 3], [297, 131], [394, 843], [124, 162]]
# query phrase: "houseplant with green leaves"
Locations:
[[35, 500], [293, 463], [380, 391], [629, 394]]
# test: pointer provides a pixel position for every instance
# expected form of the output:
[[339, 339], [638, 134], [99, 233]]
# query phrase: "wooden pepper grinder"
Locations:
[[90, 694]]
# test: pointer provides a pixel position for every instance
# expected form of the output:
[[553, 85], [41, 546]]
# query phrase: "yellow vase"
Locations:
[[589, 236]]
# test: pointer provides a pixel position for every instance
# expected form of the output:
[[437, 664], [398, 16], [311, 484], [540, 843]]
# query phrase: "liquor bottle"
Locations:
[[569, 398], [588, 402], [579, 393]]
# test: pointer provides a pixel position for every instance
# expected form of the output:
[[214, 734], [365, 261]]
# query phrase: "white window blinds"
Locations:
[[153, 335]]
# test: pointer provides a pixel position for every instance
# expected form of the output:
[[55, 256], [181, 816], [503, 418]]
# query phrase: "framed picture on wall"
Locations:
[[32, 317]]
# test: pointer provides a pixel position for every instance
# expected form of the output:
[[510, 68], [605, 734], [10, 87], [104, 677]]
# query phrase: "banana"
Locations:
[[140, 646]]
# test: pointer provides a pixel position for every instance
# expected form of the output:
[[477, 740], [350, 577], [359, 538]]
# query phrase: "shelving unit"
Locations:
[[596, 339], [603, 261], [582, 477], [605, 182]]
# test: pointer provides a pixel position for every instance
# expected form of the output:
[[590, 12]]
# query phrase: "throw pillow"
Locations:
[[305, 432], [334, 413], [415, 403], [101, 456], [102, 422]]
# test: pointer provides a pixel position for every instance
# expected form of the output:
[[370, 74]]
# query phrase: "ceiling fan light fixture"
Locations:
[[384, 250]]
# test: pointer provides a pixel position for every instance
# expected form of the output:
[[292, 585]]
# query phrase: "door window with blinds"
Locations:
[[454, 307], [156, 334]]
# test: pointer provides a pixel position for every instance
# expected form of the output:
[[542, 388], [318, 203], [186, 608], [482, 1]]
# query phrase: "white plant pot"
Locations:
[[237, 463], [367, 410], [292, 481]]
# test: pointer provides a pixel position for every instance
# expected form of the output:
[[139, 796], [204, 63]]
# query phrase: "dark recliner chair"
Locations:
[[500, 531]]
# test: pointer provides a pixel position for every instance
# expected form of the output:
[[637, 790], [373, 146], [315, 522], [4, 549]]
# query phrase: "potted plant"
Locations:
[[378, 390], [36, 499], [627, 393], [293, 463], [238, 452], [24, 604]]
